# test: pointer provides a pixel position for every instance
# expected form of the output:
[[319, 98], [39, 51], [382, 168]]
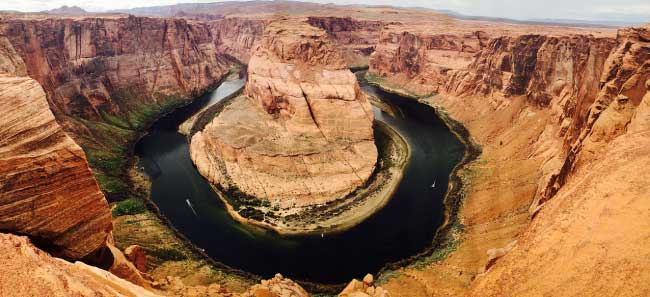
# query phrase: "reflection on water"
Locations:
[[403, 228]]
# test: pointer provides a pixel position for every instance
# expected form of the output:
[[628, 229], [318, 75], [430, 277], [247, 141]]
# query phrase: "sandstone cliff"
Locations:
[[305, 134], [422, 62], [356, 38], [28, 271], [107, 78], [558, 73], [562, 119], [595, 224], [238, 37], [591, 238], [622, 87], [46, 188], [558, 117]]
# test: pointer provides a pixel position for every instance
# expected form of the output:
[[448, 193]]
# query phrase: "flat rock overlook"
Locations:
[[549, 200]]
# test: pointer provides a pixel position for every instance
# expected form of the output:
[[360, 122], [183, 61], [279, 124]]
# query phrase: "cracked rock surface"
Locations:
[[302, 134]]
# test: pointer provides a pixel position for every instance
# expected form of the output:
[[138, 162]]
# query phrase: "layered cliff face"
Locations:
[[46, 188], [356, 38], [622, 88], [238, 37], [422, 62], [303, 135], [591, 238], [562, 121], [107, 78], [556, 72]]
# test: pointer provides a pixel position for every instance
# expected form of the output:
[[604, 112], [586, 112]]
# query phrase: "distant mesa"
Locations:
[[67, 10]]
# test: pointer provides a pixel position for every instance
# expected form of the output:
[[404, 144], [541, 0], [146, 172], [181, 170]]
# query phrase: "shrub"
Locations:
[[129, 206]]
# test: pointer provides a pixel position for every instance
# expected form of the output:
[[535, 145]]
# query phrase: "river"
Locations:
[[403, 228]]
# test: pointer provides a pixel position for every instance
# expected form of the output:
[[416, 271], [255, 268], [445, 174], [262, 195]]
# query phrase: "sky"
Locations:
[[603, 10]]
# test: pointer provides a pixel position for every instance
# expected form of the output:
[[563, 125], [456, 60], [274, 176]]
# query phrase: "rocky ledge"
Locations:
[[46, 188], [299, 140]]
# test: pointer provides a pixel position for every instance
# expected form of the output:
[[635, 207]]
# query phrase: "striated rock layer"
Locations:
[[591, 238], [555, 205], [46, 188], [593, 219], [238, 37], [107, 78], [303, 135], [355, 38], [422, 62]]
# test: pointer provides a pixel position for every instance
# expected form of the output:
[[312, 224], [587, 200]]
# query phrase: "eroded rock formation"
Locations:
[[364, 288], [356, 38], [563, 124], [29, 271], [623, 86], [562, 121], [46, 188], [595, 227], [108, 78], [423, 62], [278, 286], [238, 37], [304, 134]]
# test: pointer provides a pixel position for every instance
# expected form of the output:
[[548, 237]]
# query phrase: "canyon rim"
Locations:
[[550, 198]]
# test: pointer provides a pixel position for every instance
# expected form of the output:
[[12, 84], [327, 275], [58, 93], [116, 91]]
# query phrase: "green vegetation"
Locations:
[[131, 206], [107, 140], [167, 254]]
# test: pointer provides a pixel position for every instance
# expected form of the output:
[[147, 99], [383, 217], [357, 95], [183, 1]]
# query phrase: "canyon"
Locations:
[[108, 78], [553, 205]]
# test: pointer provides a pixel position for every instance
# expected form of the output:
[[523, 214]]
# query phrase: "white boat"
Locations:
[[434, 184], [191, 207]]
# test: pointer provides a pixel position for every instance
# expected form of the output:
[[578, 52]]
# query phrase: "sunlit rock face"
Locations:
[[47, 190], [107, 79], [28, 271], [356, 39], [303, 133], [237, 37]]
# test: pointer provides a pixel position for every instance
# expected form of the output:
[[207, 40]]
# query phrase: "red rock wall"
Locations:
[[559, 73], [237, 37], [106, 79], [356, 38], [84, 64], [46, 188], [622, 88], [422, 62]]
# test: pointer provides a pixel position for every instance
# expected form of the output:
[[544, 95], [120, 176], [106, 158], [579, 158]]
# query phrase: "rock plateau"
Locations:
[[302, 135]]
